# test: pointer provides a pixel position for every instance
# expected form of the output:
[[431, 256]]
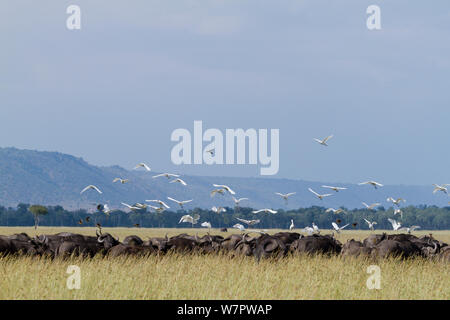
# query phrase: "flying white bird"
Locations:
[[142, 165], [372, 206], [308, 230], [161, 203], [167, 175], [132, 208], [335, 211], [315, 228], [220, 191], [190, 219], [249, 222], [397, 211], [442, 188], [320, 196], [337, 228], [292, 226], [285, 196], [324, 141], [239, 226], [395, 201], [219, 209], [409, 229], [104, 208], [238, 201], [371, 224], [180, 203], [373, 183], [122, 181], [206, 224], [395, 225], [334, 188], [227, 188], [91, 187], [265, 210], [157, 209], [179, 181]]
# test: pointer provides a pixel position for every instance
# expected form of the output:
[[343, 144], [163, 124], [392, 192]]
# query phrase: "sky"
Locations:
[[115, 90]]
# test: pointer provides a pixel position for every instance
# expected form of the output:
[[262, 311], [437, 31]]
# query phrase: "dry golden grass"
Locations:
[[218, 276]]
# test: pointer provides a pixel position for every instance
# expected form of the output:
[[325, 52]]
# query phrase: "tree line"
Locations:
[[427, 217]]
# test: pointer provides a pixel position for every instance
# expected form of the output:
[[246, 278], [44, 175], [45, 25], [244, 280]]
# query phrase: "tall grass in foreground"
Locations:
[[220, 277]]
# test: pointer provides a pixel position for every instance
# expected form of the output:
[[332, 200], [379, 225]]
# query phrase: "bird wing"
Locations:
[[243, 220], [126, 205], [291, 194], [257, 211], [366, 205], [174, 200], [327, 138], [311, 190], [335, 226], [159, 175], [280, 194], [368, 222], [344, 226], [186, 201]]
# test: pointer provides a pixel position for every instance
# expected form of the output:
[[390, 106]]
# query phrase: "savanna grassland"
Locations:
[[174, 276]]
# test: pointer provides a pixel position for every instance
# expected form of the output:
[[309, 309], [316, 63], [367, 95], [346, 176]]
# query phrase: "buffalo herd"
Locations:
[[67, 244]]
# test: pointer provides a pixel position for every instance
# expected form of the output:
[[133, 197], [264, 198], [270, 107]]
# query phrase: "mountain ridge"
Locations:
[[55, 178]]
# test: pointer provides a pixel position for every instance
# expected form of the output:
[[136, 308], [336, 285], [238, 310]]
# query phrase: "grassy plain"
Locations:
[[218, 276]]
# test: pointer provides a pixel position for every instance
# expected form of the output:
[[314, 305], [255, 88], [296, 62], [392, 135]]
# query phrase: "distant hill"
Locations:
[[52, 178]]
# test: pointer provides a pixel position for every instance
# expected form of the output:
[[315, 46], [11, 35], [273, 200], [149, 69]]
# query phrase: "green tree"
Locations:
[[37, 211]]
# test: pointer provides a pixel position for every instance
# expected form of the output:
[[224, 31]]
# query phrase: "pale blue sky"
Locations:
[[114, 91]]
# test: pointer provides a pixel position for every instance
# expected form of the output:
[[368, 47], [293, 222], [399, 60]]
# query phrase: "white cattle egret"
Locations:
[[372, 206], [373, 183], [409, 229], [132, 208], [180, 203], [220, 191], [335, 211], [167, 175], [249, 222], [91, 187], [315, 228], [395, 201], [142, 165], [337, 228], [206, 224], [285, 196], [238, 201], [179, 181], [190, 219], [397, 211], [323, 141], [395, 225], [219, 209], [292, 226], [157, 209], [320, 196], [239, 226], [442, 188], [161, 203], [334, 188], [266, 210], [370, 224], [122, 181], [227, 188], [308, 230]]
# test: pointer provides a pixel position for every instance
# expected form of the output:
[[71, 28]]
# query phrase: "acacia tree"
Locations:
[[37, 210]]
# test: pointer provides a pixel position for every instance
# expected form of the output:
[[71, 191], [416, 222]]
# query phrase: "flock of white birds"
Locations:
[[224, 189]]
